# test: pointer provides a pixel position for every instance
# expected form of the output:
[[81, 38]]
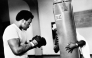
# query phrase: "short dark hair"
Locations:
[[24, 14]]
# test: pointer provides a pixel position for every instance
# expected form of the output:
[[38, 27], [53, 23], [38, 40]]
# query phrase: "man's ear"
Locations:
[[23, 21]]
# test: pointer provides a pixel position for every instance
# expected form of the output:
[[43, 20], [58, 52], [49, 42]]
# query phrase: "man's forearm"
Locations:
[[24, 48], [80, 43]]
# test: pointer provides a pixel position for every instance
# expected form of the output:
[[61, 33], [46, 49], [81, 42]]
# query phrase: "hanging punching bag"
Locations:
[[66, 31]]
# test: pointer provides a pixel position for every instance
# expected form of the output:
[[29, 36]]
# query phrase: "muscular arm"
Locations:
[[17, 48]]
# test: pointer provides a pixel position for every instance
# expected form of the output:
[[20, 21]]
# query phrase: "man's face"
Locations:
[[26, 24]]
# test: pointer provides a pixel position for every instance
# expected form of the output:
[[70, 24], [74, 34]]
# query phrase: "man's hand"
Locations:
[[70, 47], [39, 41], [56, 48]]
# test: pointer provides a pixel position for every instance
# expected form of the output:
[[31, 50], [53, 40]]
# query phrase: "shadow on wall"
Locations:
[[31, 3], [3, 25]]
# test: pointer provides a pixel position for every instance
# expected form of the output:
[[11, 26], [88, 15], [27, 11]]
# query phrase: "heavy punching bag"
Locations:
[[66, 31]]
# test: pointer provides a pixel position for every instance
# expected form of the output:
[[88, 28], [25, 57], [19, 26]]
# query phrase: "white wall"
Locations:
[[80, 5], [46, 17], [87, 34]]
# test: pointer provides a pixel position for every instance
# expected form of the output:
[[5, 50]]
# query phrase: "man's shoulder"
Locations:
[[9, 32], [10, 27]]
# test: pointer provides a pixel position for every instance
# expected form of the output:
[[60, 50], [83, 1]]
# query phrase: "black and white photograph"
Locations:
[[46, 29]]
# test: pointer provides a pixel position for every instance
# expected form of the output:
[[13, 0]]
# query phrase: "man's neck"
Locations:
[[18, 25]]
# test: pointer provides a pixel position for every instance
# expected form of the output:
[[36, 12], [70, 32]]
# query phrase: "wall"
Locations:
[[4, 21], [81, 5], [46, 17]]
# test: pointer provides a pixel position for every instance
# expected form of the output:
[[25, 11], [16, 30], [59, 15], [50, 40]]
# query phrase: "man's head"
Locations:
[[25, 17]]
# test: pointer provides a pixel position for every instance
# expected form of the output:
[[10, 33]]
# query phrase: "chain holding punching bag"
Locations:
[[66, 31]]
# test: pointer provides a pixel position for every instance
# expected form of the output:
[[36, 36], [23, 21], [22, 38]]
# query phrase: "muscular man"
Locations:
[[14, 45]]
